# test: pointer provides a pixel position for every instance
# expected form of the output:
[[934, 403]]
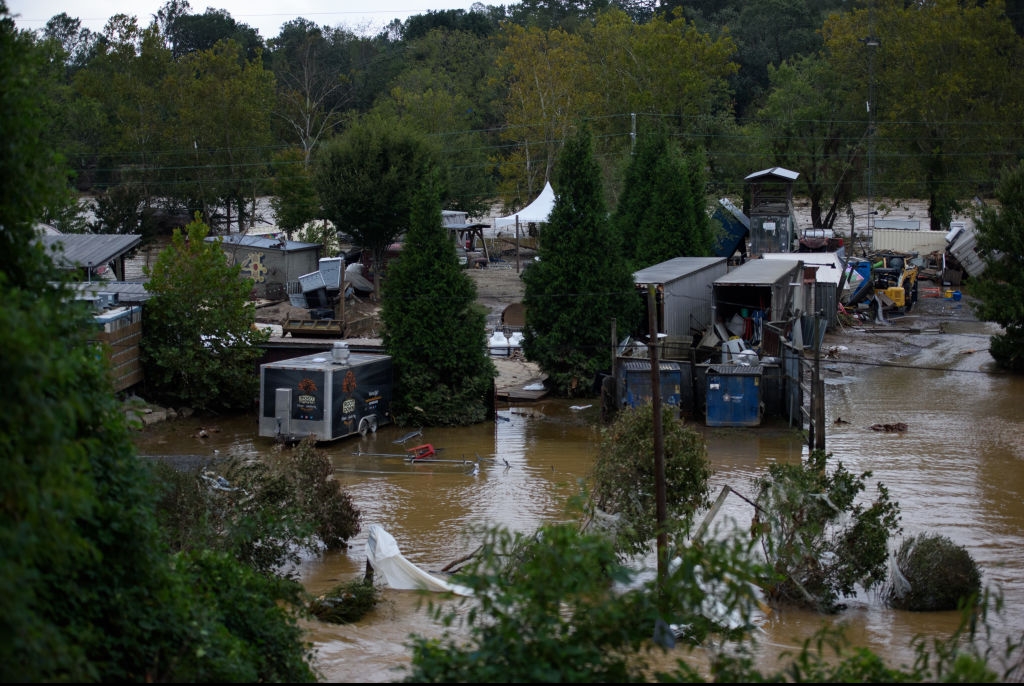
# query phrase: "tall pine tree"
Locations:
[[582, 281], [433, 328], [663, 212]]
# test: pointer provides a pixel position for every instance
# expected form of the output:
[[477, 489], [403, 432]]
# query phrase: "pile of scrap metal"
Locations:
[[879, 283]]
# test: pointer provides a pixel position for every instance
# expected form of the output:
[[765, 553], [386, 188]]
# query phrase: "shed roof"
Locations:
[[676, 268], [758, 273], [126, 291], [830, 265], [87, 249], [263, 243], [773, 174]]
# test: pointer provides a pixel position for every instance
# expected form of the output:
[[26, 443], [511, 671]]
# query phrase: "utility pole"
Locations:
[[872, 43], [659, 438]]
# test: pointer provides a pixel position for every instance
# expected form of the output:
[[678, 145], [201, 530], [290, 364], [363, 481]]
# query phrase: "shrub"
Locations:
[[933, 574], [346, 603]]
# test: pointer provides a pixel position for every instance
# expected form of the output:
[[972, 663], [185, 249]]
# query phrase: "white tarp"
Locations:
[[536, 212], [386, 560]]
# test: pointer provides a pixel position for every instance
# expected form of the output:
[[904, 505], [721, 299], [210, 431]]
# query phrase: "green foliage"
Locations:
[[1000, 287], [263, 513], [346, 603], [88, 591], [558, 606], [624, 479], [199, 344], [367, 178], [433, 329], [662, 213], [553, 618], [582, 282], [934, 574], [295, 201], [820, 542]]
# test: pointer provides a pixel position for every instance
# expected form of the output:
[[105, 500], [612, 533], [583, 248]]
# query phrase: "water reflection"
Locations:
[[956, 470]]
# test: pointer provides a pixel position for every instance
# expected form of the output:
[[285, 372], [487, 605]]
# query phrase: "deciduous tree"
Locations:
[[199, 344], [366, 179]]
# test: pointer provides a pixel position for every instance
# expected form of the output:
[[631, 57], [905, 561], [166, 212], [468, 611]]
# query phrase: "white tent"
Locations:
[[536, 212]]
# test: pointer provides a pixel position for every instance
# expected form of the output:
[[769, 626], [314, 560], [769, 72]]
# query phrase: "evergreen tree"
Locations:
[[581, 283], [662, 213], [199, 345], [1000, 239], [433, 328]]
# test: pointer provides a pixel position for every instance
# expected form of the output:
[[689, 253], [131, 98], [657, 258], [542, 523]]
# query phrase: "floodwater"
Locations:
[[957, 470]]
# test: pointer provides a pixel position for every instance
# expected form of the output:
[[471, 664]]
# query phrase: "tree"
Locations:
[[219, 130], [1000, 287], [807, 124], [315, 81], [624, 480], [820, 542], [662, 212], [558, 606], [447, 87], [88, 592], [580, 284], [295, 201], [439, 380], [954, 80], [199, 345], [366, 179]]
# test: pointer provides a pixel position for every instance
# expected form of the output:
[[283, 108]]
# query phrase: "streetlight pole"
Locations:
[[871, 42]]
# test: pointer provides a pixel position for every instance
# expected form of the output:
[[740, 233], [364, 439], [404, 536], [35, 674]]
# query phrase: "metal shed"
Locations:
[[91, 252], [682, 293], [270, 262], [756, 292]]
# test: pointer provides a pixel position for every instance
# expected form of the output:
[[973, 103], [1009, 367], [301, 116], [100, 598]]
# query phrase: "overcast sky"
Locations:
[[266, 16]]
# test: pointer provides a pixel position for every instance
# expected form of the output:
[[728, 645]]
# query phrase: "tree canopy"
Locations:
[[199, 346], [433, 328], [1000, 287], [88, 590], [581, 282], [367, 177]]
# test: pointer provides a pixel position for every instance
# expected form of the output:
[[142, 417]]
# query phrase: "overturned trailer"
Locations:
[[325, 395]]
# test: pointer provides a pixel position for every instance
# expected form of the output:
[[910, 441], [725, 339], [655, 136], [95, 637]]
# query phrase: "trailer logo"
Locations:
[[307, 399], [349, 383]]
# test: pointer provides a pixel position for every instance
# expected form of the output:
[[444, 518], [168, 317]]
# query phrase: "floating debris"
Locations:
[[898, 427]]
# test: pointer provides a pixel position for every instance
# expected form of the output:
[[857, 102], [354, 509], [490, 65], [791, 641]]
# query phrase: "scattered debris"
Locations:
[[898, 427]]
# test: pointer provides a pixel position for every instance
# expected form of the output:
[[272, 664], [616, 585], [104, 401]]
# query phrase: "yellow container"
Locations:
[[948, 294], [897, 295]]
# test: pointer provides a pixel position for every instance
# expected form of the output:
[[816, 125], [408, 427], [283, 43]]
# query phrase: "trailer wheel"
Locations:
[[364, 426]]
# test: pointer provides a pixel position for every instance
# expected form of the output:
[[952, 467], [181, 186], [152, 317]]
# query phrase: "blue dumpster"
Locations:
[[733, 395]]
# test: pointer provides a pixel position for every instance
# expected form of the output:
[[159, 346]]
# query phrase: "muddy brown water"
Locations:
[[957, 470]]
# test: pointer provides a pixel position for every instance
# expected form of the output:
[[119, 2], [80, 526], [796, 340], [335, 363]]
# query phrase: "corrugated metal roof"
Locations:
[[263, 243], [775, 172], [89, 250], [126, 291], [673, 269], [758, 273]]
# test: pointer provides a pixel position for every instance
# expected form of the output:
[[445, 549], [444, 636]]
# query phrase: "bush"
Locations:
[[933, 574], [346, 603]]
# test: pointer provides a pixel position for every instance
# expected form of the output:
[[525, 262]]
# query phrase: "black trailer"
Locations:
[[328, 395]]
